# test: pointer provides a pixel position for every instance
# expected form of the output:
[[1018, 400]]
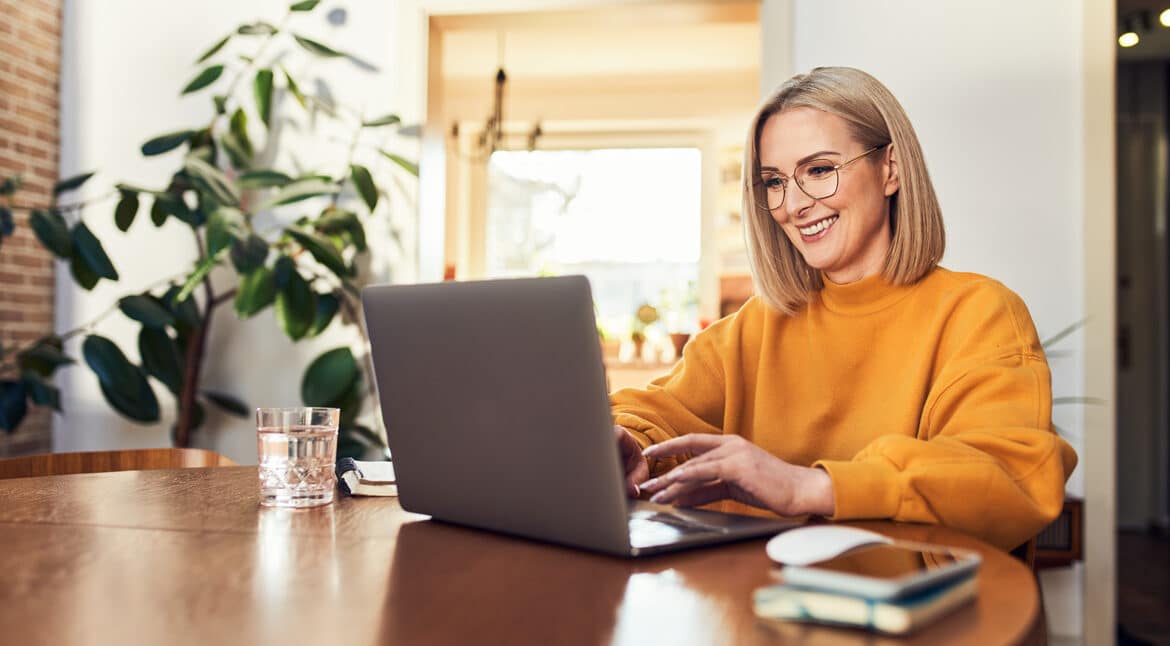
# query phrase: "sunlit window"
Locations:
[[626, 218]]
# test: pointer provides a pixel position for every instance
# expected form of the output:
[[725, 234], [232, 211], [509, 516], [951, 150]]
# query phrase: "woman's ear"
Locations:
[[893, 179]]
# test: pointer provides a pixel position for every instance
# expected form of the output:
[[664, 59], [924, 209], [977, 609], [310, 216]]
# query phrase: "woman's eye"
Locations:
[[773, 183], [817, 172]]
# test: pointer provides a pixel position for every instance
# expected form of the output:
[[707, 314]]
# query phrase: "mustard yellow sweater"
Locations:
[[929, 403]]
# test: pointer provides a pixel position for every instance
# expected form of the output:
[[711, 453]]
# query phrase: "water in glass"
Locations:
[[296, 465]]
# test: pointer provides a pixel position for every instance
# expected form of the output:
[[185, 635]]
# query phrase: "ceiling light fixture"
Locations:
[[491, 138], [1136, 23]]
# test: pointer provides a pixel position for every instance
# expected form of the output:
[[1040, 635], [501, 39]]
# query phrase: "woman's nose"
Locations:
[[796, 201]]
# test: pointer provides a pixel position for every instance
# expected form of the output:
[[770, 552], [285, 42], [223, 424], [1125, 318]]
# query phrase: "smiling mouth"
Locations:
[[816, 228]]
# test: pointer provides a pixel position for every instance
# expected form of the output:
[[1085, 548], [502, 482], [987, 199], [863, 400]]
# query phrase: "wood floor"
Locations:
[[1143, 587]]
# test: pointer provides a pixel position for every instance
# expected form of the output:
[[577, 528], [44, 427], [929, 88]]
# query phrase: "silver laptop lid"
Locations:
[[495, 404]]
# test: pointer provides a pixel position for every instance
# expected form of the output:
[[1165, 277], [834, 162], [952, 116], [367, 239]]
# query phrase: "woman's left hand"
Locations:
[[728, 466]]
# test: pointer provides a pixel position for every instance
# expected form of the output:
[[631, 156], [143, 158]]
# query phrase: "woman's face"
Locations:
[[847, 234]]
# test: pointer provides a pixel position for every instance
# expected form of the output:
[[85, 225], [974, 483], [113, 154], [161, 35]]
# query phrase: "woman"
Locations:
[[863, 381]]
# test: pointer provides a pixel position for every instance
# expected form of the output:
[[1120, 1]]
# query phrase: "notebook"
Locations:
[[790, 603]]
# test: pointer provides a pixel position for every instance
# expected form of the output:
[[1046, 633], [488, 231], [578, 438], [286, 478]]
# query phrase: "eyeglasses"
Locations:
[[817, 178]]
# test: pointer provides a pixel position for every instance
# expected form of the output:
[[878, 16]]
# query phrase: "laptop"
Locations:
[[497, 414]]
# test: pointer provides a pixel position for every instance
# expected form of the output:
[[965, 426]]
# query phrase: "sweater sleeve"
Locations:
[[985, 459], [690, 399]]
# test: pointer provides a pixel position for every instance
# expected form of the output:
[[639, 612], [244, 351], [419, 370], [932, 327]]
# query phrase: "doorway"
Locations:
[[1143, 318]]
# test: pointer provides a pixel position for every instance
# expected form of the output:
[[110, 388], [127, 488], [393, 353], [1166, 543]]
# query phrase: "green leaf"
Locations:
[[161, 357], [228, 404], [365, 435], [262, 88], [42, 392], [123, 384], [262, 178], [136, 401], [406, 164], [249, 253], [203, 79], [329, 377], [167, 142], [126, 210], [51, 230], [239, 156], [360, 176], [299, 190], [166, 204], [147, 310], [258, 28], [1052, 340], [304, 5], [296, 307], [350, 403], [43, 358], [201, 270], [13, 405], [124, 187], [71, 183], [106, 360], [349, 446], [283, 271], [90, 249], [82, 272], [294, 88], [158, 213], [327, 306], [1087, 401], [239, 128], [214, 49], [185, 311], [317, 48], [7, 223], [224, 228], [387, 120], [335, 221], [257, 290], [220, 102], [322, 250], [10, 184], [212, 181]]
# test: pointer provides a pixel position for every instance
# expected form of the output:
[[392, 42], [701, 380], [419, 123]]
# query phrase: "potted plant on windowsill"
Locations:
[[644, 316]]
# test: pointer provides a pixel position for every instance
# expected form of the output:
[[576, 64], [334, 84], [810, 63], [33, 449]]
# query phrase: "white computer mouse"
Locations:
[[805, 545]]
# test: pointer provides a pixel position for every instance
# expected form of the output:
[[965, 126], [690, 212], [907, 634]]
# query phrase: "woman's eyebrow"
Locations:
[[819, 153]]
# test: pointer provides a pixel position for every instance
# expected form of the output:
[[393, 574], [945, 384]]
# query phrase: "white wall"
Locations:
[[995, 91], [124, 63]]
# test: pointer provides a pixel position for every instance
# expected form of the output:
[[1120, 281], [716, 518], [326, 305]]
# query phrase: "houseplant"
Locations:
[[228, 192]]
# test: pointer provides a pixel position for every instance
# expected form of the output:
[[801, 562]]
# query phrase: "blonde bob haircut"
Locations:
[[875, 118]]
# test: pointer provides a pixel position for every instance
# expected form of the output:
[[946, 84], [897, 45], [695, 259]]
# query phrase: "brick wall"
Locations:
[[30, 56]]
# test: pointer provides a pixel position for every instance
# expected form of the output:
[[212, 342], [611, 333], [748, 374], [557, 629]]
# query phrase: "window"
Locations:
[[628, 219]]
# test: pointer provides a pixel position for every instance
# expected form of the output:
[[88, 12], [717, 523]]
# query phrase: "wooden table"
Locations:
[[188, 557]]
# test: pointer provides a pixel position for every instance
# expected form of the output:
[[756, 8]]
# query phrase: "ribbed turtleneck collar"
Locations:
[[868, 295]]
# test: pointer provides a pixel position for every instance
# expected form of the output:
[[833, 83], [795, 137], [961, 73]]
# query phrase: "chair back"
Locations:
[[52, 464]]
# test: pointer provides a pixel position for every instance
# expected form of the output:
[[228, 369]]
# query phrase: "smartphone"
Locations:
[[885, 571]]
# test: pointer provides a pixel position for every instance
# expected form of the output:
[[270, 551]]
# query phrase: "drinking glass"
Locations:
[[297, 448]]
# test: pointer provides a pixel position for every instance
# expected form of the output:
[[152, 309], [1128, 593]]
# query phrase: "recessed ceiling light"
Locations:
[[1128, 39], [1164, 18]]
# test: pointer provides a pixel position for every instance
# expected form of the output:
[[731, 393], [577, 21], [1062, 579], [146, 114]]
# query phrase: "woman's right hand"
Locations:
[[634, 465]]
